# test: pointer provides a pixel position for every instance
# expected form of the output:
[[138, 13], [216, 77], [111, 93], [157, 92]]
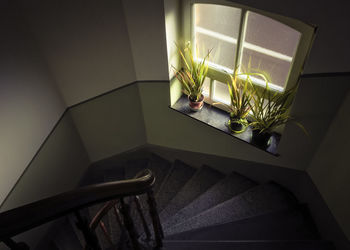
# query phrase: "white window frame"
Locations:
[[219, 73]]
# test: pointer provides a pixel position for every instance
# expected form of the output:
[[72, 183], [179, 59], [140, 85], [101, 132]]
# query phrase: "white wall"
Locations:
[[56, 168], [146, 27], [111, 124], [29, 102], [330, 170], [86, 44]]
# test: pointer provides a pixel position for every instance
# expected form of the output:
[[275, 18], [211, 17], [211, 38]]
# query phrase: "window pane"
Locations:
[[270, 45], [221, 93], [206, 87], [216, 28]]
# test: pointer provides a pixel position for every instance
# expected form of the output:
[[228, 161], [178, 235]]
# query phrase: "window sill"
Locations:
[[217, 119]]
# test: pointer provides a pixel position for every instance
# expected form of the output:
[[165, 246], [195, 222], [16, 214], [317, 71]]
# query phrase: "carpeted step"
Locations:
[[160, 167], [132, 167], [249, 245], [201, 181], [65, 237], [230, 186], [92, 210], [115, 174], [286, 224], [178, 176], [256, 201]]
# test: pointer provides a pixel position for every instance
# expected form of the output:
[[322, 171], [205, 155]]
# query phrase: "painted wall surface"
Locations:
[[330, 170], [111, 124], [30, 104], [56, 168], [146, 27], [331, 50], [86, 44], [166, 127]]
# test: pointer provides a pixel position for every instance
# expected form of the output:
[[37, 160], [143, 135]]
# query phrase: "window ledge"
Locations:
[[218, 119]]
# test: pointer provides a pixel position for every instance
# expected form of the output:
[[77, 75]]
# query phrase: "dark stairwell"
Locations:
[[199, 209]]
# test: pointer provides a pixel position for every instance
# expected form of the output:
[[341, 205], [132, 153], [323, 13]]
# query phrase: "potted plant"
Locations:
[[269, 111], [240, 95], [192, 76]]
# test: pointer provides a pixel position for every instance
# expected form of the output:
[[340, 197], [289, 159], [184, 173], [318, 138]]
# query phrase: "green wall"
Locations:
[[111, 124]]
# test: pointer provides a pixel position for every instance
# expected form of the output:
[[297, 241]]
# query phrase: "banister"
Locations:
[[21, 219]]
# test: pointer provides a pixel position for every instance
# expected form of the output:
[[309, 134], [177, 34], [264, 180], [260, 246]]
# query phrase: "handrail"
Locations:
[[21, 219]]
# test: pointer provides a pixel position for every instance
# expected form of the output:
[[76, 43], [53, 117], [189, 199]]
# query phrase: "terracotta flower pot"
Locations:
[[196, 105]]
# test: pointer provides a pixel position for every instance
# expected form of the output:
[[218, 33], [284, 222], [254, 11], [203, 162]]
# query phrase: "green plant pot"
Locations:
[[237, 125], [262, 140]]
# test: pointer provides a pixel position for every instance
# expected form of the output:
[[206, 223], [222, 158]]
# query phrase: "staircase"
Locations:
[[200, 209]]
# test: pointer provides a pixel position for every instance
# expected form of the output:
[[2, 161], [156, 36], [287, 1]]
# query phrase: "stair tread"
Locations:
[[232, 185], [178, 175], [201, 181], [104, 243], [256, 201], [286, 224], [65, 237], [250, 245], [115, 174], [160, 167]]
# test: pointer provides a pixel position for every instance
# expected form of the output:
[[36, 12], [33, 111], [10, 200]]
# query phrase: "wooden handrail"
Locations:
[[21, 219]]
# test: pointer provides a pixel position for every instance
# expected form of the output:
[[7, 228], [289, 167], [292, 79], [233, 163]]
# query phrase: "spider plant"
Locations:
[[192, 74], [270, 110], [240, 95]]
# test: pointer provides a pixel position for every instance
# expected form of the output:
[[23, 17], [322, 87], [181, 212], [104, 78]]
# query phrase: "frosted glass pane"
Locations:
[[270, 46], [222, 19], [223, 53], [206, 87], [271, 34], [221, 93], [277, 69], [216, 28]]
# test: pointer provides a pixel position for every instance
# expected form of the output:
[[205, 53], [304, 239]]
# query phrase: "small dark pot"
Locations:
[[262, 140], [196, 105], [236, 126]]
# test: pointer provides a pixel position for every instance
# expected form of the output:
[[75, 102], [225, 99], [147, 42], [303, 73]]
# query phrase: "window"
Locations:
[[240, 35]]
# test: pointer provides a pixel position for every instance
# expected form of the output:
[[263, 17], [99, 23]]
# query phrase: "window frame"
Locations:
[[307, 33]]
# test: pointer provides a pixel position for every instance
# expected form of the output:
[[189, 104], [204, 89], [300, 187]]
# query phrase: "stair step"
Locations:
[[178, 175], [286, 224], [249, 245], [65, 237], [230, 186], [160, 167], [201, 181], [256, 201], [115, 174], [104, 243], [132, 167]]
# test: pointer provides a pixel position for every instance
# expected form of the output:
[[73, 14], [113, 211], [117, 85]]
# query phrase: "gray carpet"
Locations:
[[202, 209], [256, 201], [230, 186], [248, 245], [178, 176], [201, 181], [285, 224]]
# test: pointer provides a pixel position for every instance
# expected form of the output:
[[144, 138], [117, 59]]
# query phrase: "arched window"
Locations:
[[242, 37]]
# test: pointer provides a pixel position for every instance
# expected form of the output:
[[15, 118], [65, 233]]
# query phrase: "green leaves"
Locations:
[[193, 74], [239, 87], [271, 109]]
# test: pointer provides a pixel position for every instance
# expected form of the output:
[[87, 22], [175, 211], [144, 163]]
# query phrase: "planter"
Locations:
[[262, 140], [196, 105], [237, 125]]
